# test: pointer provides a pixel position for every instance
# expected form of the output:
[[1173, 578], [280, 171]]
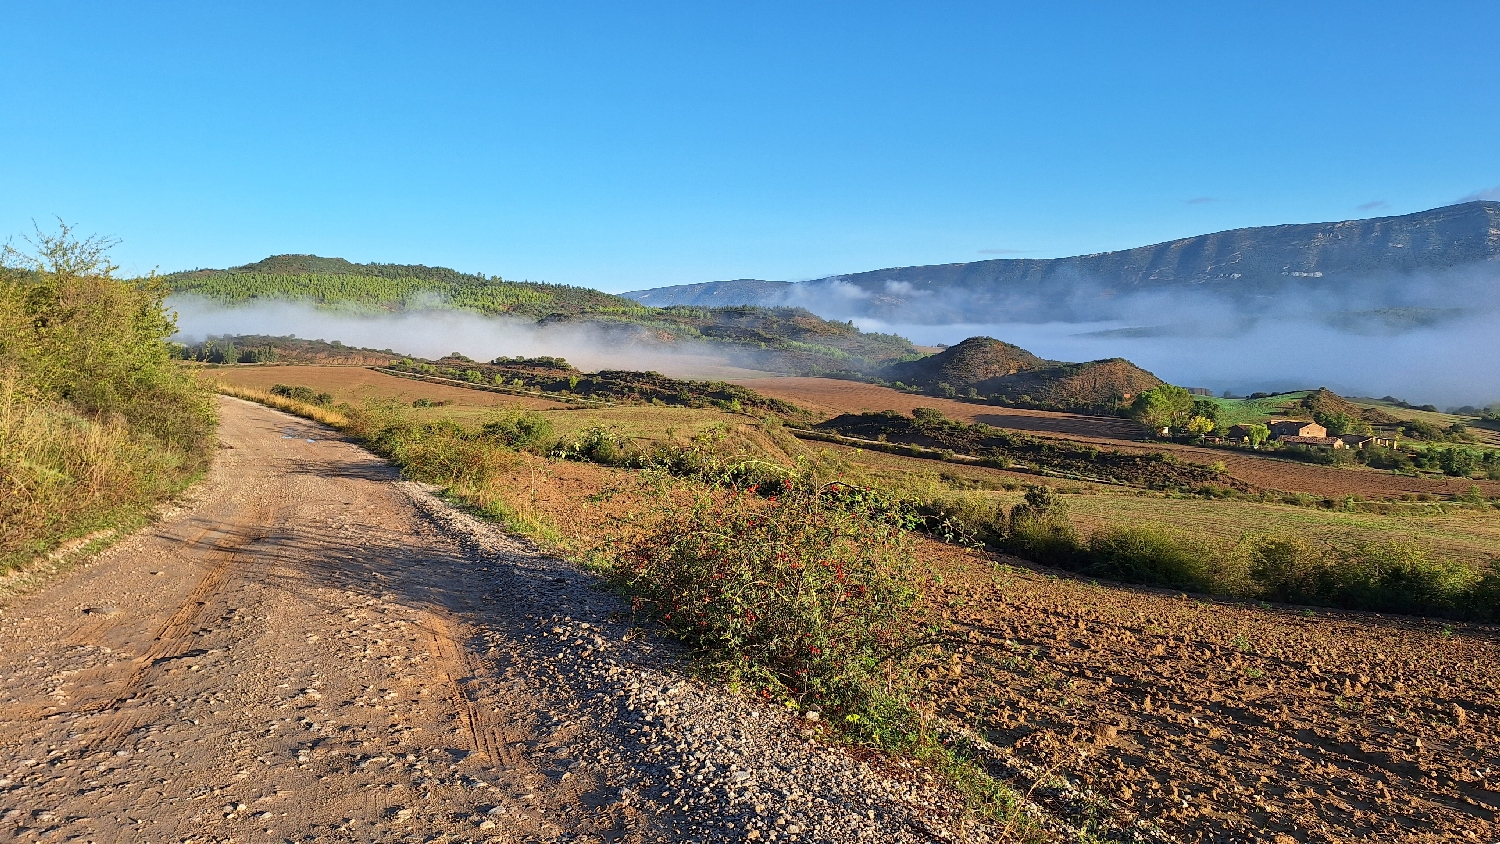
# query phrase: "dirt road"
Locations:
[[315, 650]]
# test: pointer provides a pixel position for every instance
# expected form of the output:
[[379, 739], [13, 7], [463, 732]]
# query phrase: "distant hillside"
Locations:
[[744, 291], [1098, 386], [983, 367], [1363, 271], [778, 339], [334, 282]]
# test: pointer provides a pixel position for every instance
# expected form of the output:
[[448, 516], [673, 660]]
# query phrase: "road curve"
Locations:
[[315, 650]]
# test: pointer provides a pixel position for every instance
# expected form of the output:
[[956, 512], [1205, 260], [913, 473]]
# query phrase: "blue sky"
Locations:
[[634, 145]]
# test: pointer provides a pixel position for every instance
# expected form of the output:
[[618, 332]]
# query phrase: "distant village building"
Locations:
[[1282, 429]]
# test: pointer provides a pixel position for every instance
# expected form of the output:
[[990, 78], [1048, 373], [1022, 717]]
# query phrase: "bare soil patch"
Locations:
[[1221, 722], [353, 383]]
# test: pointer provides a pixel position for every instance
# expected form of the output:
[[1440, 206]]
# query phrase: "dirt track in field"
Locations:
[[833, 396], [314, 650]]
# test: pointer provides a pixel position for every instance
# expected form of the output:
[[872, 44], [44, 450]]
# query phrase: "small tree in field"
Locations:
[[1164, 406]]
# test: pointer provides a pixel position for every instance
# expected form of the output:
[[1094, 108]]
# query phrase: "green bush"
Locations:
[[519, 429], [1151, 554], [302, 394], [1377, 577], [810, 596], [1039, 530], [439, 451], [598, 445], [96, 418]]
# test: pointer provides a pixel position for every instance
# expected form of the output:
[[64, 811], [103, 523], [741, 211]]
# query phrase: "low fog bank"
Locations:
[[1065, 296], [1448, 360], [1452, 363], [1427, 338], [434, 333]]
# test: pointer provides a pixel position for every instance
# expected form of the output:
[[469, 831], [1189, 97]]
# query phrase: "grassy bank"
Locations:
[[97, 424]]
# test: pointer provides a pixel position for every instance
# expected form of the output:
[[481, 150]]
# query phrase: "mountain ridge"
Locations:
[[1245, 265]]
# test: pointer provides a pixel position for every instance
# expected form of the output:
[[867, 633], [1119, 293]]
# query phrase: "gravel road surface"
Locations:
[[312, 649]]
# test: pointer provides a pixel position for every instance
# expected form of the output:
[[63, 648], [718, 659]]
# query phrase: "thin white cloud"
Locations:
[[1484, 193]]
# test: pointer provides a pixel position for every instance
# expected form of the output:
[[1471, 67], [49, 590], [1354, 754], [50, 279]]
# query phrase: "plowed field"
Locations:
[[1219, 722]]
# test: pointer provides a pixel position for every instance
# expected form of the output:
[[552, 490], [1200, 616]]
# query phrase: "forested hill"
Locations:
[[1371, 264], [335, 282], [780, 339]]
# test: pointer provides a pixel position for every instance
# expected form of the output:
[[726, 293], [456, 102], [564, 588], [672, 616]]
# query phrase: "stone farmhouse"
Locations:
[[1311, 434], [1282, 429]]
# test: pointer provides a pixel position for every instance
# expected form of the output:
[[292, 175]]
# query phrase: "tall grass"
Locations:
[[96, 422]]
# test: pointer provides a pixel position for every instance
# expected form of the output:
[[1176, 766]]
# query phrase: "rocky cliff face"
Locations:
[[1370, 262]]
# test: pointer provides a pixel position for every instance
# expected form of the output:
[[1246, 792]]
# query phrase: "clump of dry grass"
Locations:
[[316, 412]]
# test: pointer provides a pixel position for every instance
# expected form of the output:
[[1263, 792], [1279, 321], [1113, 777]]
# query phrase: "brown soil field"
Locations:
[[833, 396], [1146, 709], [353, 383], [1222, 722]]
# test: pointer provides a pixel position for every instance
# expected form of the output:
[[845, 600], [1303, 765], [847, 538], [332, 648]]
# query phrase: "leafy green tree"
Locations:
[[1257, 434], [1208, 409], [1458, 462], [1200, 425], [1164, 406], [1337, 424]]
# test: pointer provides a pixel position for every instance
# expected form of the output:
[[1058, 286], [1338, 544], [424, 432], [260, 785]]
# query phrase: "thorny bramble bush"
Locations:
[[811, 596]]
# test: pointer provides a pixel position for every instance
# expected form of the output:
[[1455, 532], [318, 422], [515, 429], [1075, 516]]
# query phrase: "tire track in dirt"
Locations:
[[455, 665]]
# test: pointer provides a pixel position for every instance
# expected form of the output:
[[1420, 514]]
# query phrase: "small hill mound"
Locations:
[[1323, 402], [1099, 385], [968, 364], [301, 265]]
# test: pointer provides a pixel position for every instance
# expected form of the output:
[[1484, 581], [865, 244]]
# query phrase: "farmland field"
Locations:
[[355, 384], [1207, 720], [1264, 472]]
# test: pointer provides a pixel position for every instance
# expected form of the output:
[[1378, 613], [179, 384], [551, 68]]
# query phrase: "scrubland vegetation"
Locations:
[[96, 421]]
